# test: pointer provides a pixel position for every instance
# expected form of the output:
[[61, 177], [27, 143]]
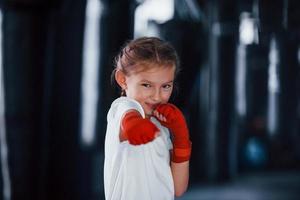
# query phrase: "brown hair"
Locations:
[[137, 55]]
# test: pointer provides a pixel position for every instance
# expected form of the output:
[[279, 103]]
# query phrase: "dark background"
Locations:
[[42, 56]]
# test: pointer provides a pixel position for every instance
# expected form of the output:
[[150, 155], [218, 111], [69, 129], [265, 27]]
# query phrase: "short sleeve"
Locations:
[[121, 105]]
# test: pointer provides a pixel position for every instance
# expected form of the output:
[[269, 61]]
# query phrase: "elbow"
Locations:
[[179, 193]]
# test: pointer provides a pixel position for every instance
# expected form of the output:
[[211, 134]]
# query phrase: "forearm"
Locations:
[[180, 173], [172, 118]]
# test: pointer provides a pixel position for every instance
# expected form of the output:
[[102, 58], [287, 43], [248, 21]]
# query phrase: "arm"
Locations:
[[170, 116], [180, 173]]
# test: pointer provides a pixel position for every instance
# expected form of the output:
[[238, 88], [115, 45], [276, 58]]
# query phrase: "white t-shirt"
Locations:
[[136, 172]]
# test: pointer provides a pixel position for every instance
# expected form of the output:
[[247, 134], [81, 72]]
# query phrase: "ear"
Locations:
[[121, 79]]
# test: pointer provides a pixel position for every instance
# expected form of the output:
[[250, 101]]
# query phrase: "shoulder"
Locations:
[[123, 104]]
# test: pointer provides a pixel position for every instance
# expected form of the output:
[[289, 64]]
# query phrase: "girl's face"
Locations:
[[150, 87]]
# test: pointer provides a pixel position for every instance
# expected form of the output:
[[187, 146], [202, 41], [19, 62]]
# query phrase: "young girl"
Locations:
[[141, 160]]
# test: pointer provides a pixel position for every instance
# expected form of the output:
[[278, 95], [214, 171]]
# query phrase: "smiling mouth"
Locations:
[[152, 106]]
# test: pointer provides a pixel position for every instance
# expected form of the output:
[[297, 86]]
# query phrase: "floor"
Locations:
[[264, 186]]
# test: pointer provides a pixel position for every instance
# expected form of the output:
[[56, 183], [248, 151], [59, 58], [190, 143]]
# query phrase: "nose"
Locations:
[[156, 95]]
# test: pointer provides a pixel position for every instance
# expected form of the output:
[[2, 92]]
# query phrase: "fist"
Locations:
[[137, 130], [171, 117]]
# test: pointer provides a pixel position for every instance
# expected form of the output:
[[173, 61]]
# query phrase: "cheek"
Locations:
[[138, 93], [166, 96], [143, 92]]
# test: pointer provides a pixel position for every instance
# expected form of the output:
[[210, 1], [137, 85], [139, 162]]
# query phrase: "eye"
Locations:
[[167, 86], [146, 85]]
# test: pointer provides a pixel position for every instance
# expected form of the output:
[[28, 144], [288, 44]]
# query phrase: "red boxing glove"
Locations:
[[136, 129], [173, 119]]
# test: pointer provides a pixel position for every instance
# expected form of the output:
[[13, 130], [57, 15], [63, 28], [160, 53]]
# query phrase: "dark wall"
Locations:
[[42, 66]]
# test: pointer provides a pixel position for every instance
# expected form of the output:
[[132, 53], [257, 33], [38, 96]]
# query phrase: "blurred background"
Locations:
[[239, 89]]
